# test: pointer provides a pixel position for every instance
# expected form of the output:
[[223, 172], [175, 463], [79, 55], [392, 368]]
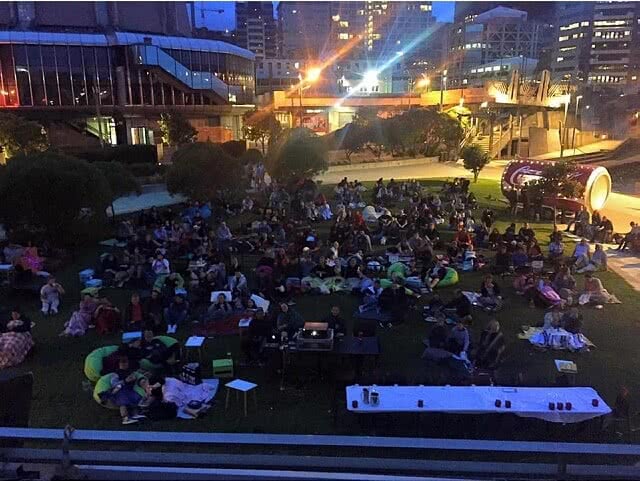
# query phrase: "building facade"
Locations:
[[500, 33], [598, 43], [90, 82], [256, 28], [304, 29]]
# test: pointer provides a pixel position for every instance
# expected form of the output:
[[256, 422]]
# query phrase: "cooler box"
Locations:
[[95, 283], [85, 275]]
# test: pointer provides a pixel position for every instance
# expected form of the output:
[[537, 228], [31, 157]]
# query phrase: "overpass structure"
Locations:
[[326, 113]]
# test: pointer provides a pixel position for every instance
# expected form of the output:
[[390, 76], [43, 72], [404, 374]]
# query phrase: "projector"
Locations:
[[315, 336]]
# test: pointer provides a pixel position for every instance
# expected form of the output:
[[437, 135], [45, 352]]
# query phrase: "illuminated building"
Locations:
[[256, 28], [98, 70], [500, 33]]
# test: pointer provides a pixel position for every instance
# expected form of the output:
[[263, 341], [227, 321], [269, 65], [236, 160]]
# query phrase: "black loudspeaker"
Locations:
[[16, 390]]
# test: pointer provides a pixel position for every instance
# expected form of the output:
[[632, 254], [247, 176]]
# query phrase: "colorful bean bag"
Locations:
[[450, 278], [147, 365], [104, 384], [94, 362], [399, 269]]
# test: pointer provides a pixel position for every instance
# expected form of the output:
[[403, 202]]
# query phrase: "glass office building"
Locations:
[[118, 73]]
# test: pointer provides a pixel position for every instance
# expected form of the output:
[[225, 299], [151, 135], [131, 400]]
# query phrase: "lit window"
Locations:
[[425, 8], [569, 27], [584, 24], [609, 23], [559, 59], [343, 36], [564, 37], [336, 18], [496, 68], [634, 77], [294, 11], [296, 64], [344, 23]]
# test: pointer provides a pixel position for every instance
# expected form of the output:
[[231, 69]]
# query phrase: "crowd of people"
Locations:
[[389, 246]]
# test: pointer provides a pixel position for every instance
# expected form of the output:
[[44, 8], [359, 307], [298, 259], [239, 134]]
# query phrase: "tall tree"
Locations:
[[474, 159], [261, 126], [21, 136], [176, 129], [49, 191], [203, 171], [298, 155], [352, 137]]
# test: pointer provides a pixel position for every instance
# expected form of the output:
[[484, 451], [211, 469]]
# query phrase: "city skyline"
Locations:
[[221, 15]]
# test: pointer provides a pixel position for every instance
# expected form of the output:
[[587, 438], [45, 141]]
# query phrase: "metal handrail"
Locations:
[[322, 440]]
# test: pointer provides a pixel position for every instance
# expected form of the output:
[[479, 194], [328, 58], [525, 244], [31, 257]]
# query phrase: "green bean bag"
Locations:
[[384, 283], [104, 384], [147, 365], [93, 362], [399, 268], [450, 278]]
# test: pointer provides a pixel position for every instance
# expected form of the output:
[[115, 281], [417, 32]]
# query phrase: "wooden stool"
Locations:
[[194, 343], [222, 368], [241, 386]]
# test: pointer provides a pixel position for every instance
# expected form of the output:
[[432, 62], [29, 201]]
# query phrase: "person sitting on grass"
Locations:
[[556, 250], [564, 284], [15, 339], [288, 320], [581, 254], [122, 392], [459, 307], [490, 298], [135, 314], [595, 291], [436, 274], [176, 313], [219, 309], [598, 261], [438, 336], [154, 310], [491, 346], [394, 300], [50, 295], [156, 352], [81, 319], [502, 262], [107, 317], [459, 340]]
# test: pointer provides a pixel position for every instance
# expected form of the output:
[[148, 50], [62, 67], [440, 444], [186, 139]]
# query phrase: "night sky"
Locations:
[[208, 14]]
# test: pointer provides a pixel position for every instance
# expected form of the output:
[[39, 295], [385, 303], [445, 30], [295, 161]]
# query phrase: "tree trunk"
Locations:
[[476, 173]]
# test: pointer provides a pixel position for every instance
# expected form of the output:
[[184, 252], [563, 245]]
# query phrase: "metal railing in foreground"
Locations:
[[97, 454]]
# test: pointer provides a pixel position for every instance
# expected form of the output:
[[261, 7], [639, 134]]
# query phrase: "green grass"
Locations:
[[305, 406]]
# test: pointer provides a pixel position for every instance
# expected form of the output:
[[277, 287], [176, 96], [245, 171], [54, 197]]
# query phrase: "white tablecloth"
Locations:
[[528, 402]]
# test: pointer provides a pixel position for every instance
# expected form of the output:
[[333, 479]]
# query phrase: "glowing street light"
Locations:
[[424, 82], [313, 74]]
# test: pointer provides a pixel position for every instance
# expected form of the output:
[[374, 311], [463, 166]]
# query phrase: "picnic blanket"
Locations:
[[222, 327], [473, 297], [14, 347], [181, 394], [326, 286], [557, 339]]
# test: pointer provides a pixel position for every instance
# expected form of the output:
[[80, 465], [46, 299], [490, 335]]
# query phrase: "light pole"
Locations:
[[443, 85], [313, 75], [575, 124], [563, 125]]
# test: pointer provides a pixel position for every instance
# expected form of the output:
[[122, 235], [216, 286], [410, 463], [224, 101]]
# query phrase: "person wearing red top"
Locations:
[[135, 313], [462, 238]]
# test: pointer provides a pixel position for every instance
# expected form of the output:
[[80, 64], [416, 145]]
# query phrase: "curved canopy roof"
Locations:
[[122, 38]]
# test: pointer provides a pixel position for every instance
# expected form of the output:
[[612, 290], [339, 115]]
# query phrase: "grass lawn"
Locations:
[[305, 406]]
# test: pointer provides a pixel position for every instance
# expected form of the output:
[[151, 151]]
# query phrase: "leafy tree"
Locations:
[[234, 148], [203, 171], [53, 192], [298, 155], [557, 181], [375, 137], [261, 126], [251, 156], [352, 138], [176, 129], [474, 159], [120, 179], [21, 136]]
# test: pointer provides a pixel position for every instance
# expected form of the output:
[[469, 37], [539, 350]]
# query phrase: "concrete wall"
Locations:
[[542, 141]]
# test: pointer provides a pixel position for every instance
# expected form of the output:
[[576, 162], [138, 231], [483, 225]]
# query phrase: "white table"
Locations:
[[528, 402], [241, 386]]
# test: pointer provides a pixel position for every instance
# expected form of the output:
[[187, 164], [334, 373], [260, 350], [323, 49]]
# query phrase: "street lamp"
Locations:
[[313, 75], [563, 125], [575, 123], [443, 85]]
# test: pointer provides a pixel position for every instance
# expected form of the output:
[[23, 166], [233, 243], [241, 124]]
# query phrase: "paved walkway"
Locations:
[[151, 196], [626, 265], [596, 147]]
